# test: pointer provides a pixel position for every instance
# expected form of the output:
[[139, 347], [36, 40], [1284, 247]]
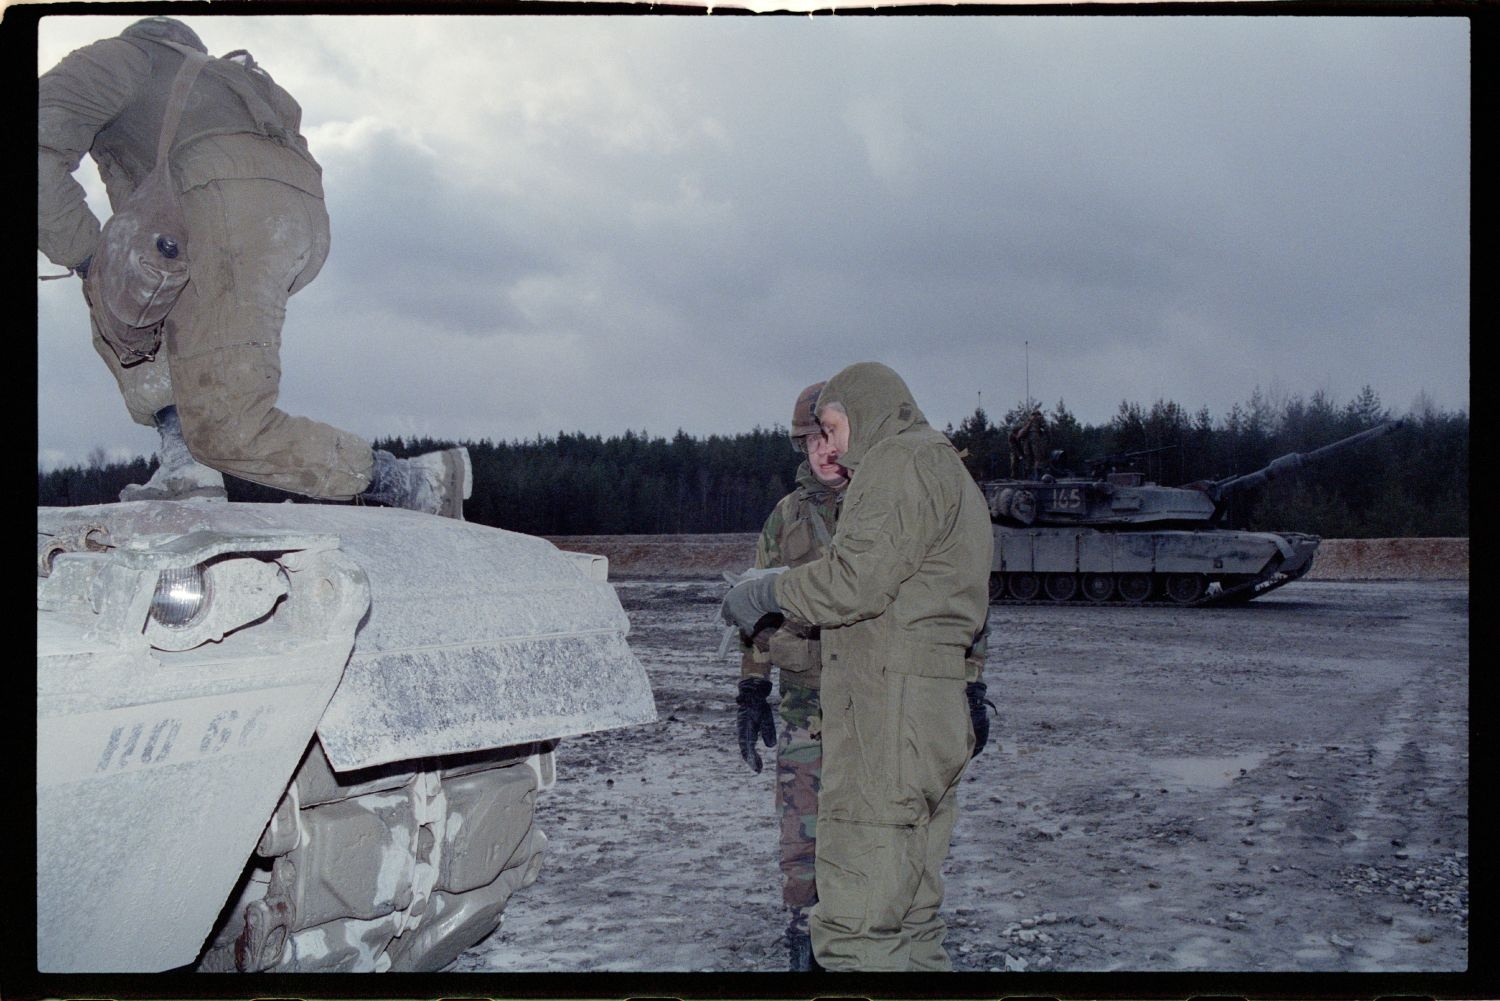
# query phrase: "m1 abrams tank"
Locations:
[[299, 737], [1118, 539]]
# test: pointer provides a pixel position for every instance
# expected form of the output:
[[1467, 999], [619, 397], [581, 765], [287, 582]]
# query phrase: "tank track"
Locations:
[[1237, 594]]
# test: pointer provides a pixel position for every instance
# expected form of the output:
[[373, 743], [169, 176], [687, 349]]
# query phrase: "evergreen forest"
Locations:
[[1413, 482]]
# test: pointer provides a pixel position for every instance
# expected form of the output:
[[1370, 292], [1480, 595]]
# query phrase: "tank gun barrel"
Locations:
[[1293, 461]]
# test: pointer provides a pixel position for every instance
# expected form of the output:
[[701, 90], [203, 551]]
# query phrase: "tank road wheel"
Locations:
[[1060, 586], [997, 586], [1135, 587], [1023, 586], [1098, 586], [1185, 588]]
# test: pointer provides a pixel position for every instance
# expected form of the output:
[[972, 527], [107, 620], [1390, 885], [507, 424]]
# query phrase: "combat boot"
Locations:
[[434, 483], [799, 952], [178, 475]]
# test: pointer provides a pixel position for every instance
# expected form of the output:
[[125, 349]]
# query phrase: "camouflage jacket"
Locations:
[[1035, 433], [796, 532]]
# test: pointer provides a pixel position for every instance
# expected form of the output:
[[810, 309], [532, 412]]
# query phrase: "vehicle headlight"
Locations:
[[181, 596]]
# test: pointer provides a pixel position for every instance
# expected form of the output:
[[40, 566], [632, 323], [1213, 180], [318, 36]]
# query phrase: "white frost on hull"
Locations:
[[159, 767]]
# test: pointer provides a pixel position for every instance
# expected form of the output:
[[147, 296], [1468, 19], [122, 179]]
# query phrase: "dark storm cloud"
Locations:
[[546, 223], [428, 253]]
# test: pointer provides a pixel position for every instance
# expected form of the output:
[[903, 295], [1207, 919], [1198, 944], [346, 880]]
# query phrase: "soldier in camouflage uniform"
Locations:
[[796, 532], [1017, 452], [1034, 442]]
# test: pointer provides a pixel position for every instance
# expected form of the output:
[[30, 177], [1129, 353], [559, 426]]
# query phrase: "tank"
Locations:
[[300, 737], [1113, 538]]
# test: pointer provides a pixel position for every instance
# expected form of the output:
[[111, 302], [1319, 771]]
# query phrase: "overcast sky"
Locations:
[[546, 224]]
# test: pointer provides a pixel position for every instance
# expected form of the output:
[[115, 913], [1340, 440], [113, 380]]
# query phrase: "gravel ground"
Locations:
[[1278, 786]]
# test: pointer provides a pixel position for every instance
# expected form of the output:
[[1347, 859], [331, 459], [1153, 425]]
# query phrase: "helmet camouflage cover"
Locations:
[[804, 415]]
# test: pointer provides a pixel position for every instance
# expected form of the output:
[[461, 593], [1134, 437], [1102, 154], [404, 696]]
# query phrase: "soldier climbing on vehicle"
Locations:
[[215, 146]]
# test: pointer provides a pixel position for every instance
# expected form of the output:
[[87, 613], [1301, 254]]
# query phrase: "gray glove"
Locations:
[[748, 602], [754, 719], [980, 719]]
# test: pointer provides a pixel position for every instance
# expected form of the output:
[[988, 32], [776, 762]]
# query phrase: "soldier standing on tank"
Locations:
[[1017, 452], [252, 195], [1034, 442], [901, 597], [798, 530]]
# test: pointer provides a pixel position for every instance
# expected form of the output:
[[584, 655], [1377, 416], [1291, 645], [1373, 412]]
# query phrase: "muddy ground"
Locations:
[[1279, 786]]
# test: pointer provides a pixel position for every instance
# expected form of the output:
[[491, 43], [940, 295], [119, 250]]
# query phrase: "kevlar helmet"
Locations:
[[804, 416]]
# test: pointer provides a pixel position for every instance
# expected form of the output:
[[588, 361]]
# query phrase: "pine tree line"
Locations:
[[1411, 483]]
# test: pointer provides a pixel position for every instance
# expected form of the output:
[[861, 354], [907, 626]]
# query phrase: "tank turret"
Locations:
[[1113, 536]]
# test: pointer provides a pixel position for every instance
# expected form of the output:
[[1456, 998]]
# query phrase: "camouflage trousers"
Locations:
[[799, 773], [255, 243]]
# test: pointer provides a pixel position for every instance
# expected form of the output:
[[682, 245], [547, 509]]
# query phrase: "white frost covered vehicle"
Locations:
[[300, 737]]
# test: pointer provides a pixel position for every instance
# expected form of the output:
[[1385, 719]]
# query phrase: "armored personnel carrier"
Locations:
[[1118, 539], [300, 737]]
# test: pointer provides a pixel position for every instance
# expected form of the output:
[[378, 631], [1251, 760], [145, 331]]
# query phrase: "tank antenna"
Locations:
[[1028, 374]]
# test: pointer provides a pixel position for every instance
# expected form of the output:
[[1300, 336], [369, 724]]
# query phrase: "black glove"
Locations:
[[761, 641], [754, 719], [81, 269], [748, 602], [980, 719]]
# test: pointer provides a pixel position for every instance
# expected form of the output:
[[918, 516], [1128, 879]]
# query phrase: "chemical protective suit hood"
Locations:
[[878, 404], [166, 29]]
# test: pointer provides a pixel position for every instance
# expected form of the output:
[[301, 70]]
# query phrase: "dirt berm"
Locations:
[[690, 556]]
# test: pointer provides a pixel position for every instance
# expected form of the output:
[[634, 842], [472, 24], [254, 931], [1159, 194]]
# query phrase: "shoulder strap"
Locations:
[[191, 65], [808, 510], [261, 112], [821, 531]]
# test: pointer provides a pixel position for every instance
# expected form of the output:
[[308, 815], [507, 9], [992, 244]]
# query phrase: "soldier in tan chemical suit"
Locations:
[[252, 195], [900, 596]]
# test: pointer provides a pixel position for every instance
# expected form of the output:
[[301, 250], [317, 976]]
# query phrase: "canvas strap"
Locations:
[[261, 112], [177, 100]]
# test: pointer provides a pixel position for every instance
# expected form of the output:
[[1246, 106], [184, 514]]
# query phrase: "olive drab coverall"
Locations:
[[900, 595], [258, 232]]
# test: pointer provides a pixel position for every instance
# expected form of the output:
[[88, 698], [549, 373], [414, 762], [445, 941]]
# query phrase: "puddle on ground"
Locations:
[[1205, 773], [1389, 745]]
